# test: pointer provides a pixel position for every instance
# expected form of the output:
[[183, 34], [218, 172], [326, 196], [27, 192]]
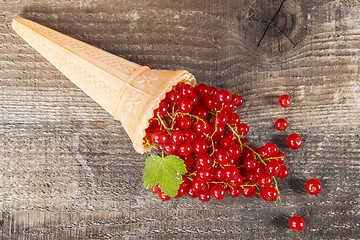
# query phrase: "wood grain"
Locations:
[[68, 171]]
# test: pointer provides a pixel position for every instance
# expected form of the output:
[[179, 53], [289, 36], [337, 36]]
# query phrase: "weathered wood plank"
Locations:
[[67, 169]]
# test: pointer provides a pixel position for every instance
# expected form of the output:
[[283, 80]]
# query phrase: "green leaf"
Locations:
[[165, 171]]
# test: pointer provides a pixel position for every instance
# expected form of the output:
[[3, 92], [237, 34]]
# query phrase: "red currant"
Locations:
[[176, 137], [248, 191], [205, 174], [218, 192], [184, 149], [272, 168], [281, 124], [234, 119], [284, 172], [159, 137], [163, 197], [200, 111], [170, 148], [235, 192], [212, 90], [155, 189], [234, 152], [285, 100], [222, 157], [313, 186], [264, 180], [210, 103], [271, 149], [269, 193], [198, 184], [236, 181], [237, 100], [221, 118], [186, 90], [294, 141], [173, 96], [204, 196], [219, 173], [185, 105], [189, 135], [250, 163], [191, 192], [199, 146], [204, 160], [200, 126], [297, 223], [280, 157], [242, 129], [201, 90], [183, 122], [181, 192]]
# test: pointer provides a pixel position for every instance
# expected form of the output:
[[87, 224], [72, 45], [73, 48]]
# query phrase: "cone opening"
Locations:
[[182, 77]]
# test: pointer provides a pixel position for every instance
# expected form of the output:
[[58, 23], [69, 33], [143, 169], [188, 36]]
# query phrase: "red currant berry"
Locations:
[[272, 168], [251, 176], [200, 111], [159, 137], [163, 197], [204, 174], [236, 181], [313, 186], [218, 192], [285, 100], [237, 100], [221, 118], [199, 146], [242, 129], [176, 137], [162, 109], [184, 149], [226, 142], [234, 152], [280, 157], [194, 99], [223, 96], [186, 90], [191, 192], [183, 122], [297, 223], [204, 196], [212, 90], [231, 172], [281, 124], [204, 160], [201, 90], [173, 96], [155, 189], [198, 184], [200, 126], [185, 105], [181, 192], [222, 157], [260, 168], [269, 193], [271, 149], [248, 191], [189, 135], [210, 103], [250, 163], [294, 141], [264, 180], [284, 172], [219, 173], [217, 130], [234, 119], [248, 153], [228, 107], [235, 192], [170, 148]]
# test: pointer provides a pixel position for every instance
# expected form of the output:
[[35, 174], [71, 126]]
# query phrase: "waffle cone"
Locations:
[[128, 91]]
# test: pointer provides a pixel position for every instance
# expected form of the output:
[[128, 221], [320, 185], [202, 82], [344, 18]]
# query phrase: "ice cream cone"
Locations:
[[128, 91]]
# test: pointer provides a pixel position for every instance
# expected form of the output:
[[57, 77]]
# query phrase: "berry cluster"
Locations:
[[199, 125]]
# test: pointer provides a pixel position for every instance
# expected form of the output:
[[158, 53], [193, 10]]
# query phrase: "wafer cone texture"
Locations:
[[128, 91]]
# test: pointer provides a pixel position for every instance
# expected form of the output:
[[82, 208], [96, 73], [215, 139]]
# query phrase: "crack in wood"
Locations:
[[267, 27]]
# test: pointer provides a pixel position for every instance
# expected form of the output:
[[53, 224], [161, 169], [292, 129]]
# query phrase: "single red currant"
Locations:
[[201, 90], [191, 192], [189, 135], [281, 124], [183, 122], [264, 180], [170, 148], [204, 160], [250, 163], [313, 186], [200, 126], [200, 111], [186, 90], [280, 157], [163, 197], [199, 146], [176, 137], [173, 96], [284, 172], [212, 90], [221, 118], [210, 102], [234, 192], [159, 137], [185, 105], [285, 100], [218, 192], [236, 181], [237, 100], [155, 189], [297, 223], [181, 192], [271, 149], [294, 141], [184, 149], [272, 168], [205, 174], [242, 129], [223, 96], [269, 193], [198, 184], [234, 152], [219, 173], [222, 157], [204, 196], [248, 191], [234, 119]]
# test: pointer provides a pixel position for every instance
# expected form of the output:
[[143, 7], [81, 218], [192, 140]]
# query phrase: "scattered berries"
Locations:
[[313, 186], [297, 223], [285, 101], [294, 141]]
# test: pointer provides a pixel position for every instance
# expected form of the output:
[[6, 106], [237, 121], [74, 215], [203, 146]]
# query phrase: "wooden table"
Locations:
[[68, 170]]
